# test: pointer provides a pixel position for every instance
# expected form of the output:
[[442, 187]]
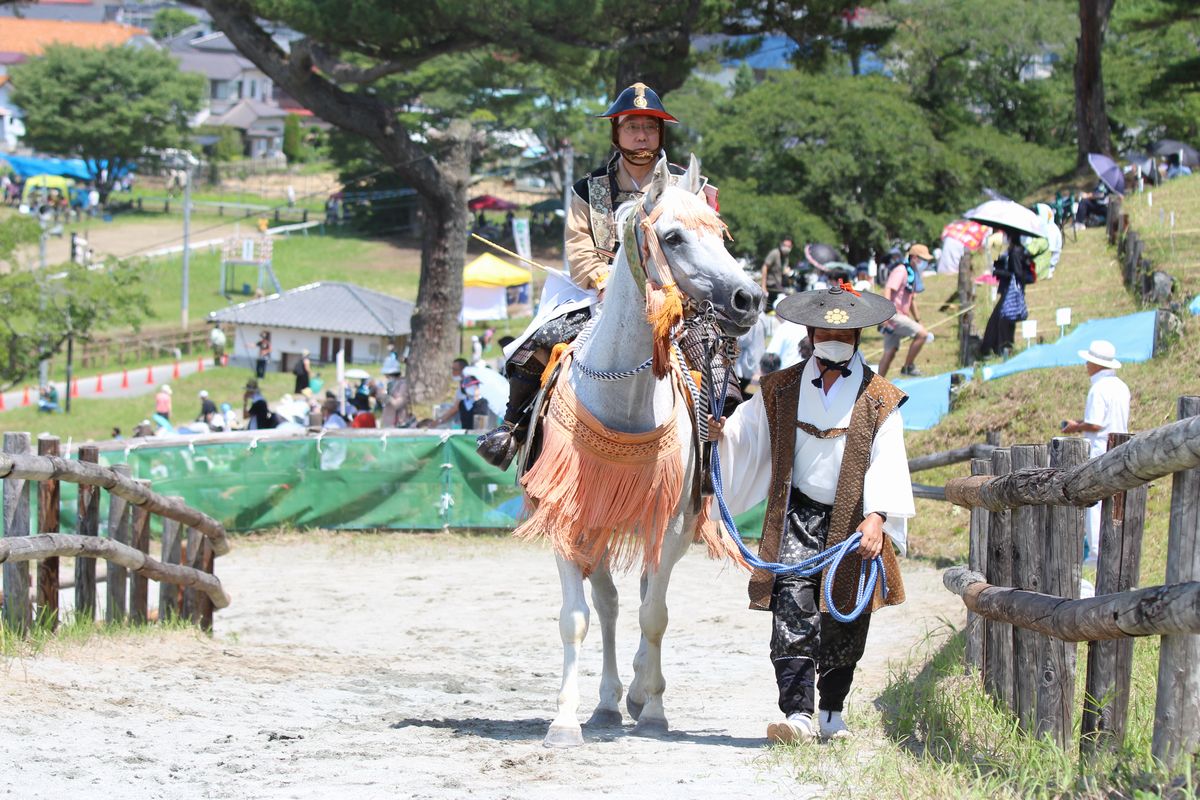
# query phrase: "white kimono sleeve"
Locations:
[[888, 485], [745, 450]]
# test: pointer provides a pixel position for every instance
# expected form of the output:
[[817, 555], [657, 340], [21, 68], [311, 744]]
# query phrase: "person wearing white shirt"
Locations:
[[1106, 411], [838, 426]]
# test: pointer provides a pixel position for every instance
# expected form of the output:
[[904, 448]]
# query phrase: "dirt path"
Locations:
[[424, 667]]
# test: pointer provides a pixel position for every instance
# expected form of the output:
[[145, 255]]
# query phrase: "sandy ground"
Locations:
[[411, 666]]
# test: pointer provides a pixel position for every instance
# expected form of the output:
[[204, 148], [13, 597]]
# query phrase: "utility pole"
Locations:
[[568, 184], [187, 230]]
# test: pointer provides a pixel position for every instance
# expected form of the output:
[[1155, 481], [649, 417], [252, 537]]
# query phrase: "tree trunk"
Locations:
[[1091, 115]]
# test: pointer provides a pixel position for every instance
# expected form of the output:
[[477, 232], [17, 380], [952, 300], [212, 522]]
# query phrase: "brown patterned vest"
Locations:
[[877, 399]]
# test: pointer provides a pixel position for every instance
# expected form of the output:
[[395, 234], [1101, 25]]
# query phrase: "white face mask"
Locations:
[[834, 352]]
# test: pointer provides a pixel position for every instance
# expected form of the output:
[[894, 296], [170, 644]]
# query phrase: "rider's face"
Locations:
[[638, 133]]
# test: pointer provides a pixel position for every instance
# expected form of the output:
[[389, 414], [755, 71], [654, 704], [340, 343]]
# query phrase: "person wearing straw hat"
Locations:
[[1106, 411], [836, 425]]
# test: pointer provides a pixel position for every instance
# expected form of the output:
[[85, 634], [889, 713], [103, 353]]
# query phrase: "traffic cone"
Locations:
[[124, 379], [2, 401], [200, 364], [175, 372], [150, 375], [100, 383], [224, 359], [25, 397], [75, 388]]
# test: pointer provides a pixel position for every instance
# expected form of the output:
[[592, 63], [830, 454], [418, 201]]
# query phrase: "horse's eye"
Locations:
[[674, 239]]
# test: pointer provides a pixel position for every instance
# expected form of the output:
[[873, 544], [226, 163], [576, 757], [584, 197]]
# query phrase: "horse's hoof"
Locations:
[[633, 706], [650, 727], [605, 718], [563, 736]]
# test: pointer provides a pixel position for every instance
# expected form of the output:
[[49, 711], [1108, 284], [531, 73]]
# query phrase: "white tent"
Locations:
[[488, 282]]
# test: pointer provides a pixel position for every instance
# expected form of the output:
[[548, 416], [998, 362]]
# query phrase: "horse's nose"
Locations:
[[747, 301]]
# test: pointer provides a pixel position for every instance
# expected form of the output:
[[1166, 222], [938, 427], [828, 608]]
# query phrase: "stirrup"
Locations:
[[499, 447]]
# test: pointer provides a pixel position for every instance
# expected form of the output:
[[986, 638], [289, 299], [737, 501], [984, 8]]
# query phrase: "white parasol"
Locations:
[[1007, 214]]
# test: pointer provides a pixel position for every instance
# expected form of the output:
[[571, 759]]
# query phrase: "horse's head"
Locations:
[[684, 241]]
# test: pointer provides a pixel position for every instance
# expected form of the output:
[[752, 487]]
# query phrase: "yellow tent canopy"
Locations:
[[490, 271], [47, 182]]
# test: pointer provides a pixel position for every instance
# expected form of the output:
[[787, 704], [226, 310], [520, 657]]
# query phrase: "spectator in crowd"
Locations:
[[303, 372], [143, 428], [395, 405], [116, 434], [751, 347], [264, 354], [901, 288], [331, 413], [774, 268], [48, 398], [1176, 168], [391, 362], [1014, 265], [467, 399], [216, 340], [250, 395], [93, 201], [262, 418], [1093, 208], [162, 401], [208, 409], [1105, 411]]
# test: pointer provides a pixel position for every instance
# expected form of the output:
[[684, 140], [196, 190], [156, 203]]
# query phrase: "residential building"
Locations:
[[322, 318]]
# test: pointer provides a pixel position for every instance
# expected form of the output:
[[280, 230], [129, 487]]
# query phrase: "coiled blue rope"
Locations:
[[870, 573]]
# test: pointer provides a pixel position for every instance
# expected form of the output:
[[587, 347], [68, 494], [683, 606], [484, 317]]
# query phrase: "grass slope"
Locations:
[[934, 733]]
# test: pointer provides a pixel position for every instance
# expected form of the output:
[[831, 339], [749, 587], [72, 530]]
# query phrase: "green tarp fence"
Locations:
[[401, 483]]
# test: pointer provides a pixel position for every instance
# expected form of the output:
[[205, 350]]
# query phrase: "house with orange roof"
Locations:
[[22, 39]]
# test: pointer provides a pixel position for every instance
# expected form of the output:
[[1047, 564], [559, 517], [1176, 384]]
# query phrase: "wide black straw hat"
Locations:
[[836, 308]]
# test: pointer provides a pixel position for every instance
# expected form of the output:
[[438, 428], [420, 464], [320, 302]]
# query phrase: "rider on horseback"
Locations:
[[638, 121]]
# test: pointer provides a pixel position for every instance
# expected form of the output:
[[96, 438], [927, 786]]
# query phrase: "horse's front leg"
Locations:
[[572, 625], [604, 597], [652, 615]]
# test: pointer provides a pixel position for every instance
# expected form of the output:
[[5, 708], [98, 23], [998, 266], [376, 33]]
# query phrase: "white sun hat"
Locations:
[[1102, 353]]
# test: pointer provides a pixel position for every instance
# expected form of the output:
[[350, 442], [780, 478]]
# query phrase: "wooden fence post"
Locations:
[[998, 680], [966, 296], [1110, 663], [191, 603], [1063, 542], [139, 585], [49, 494], [977, 625], [1177, 707], [202, 558], [88, 524], [1028, 545], [168, 594], [17, 614], [118, 531]]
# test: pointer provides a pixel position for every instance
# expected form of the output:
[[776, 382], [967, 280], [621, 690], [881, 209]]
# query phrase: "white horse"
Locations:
[[681, 239]]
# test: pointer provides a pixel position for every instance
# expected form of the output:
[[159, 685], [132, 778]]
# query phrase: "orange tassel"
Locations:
[[664, 312]]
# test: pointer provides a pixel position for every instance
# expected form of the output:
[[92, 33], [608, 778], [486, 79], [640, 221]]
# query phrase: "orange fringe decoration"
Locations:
[[603, 496], [664, 312]]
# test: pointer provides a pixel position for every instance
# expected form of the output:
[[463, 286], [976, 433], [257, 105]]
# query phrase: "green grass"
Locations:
[[94, 419], [73, 631], [944, 737], [1171, 249]]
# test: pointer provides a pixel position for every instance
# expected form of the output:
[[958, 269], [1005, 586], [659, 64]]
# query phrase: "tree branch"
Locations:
[[355, 112]]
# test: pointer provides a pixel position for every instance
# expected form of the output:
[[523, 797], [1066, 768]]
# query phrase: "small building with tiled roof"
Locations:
[[321, 318]]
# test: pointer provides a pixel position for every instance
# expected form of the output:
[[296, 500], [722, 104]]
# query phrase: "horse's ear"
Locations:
[[658, 184], [691, 178]]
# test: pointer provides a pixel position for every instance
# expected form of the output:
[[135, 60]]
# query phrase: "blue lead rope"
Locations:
[[868, 575]]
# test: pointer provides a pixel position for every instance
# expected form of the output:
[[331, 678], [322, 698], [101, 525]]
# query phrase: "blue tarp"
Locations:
[[1132, 335], [928, 401], [26, 166], [1195, 306]]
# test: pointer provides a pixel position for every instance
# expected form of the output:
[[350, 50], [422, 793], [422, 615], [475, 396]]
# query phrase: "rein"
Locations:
[[828, 559]]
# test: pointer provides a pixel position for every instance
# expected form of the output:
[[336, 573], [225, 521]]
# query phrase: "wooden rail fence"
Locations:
[[1027, 521], [188, 588]]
